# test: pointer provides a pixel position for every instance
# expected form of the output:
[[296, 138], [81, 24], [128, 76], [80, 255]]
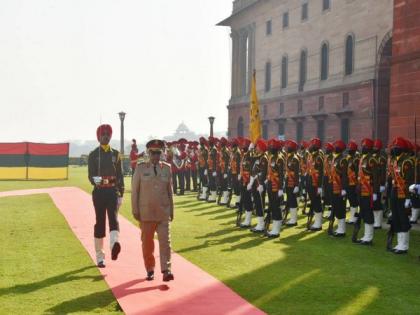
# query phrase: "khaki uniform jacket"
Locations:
[[151, 196]]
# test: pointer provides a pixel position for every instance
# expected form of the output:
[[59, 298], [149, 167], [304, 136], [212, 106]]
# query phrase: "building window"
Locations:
[[302, 69], [304, 11], [299, 131], [281, 108], [284, 65], [268, 28], [349, 55], [345, 130], [300, 106], [282, 129], [346, 99], [265, 130], [240, 127], [321, 129], [321, 101], [285, 20], [268, 76], [324, 61], [325, 5]]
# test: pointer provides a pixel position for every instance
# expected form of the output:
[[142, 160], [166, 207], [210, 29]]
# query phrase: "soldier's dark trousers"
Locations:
[[212, 181], [327, 192], [366, 211], [235, 184], [194, 179], [187, 174], [274, 205], [400, 220], [174, 182], [315, 199], [246, 200], [377, 205], [105, 202], [352, 196], [338, 206], [203, 178], [258, 201], [223, 183], [291, 198], [181, 181]]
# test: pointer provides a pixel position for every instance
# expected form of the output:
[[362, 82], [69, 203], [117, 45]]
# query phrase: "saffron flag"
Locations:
[[254, 121]]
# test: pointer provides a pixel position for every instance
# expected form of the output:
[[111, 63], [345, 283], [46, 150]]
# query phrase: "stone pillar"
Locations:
[[235, 49], [405, 70]]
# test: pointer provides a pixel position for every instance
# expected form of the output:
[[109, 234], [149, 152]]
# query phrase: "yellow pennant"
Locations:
[[255, 120]]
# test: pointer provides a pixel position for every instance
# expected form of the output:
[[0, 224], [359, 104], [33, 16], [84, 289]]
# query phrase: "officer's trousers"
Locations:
[[366, 210], [246, 200], [400, 220], [148, 230], [105, 202], [338, 206], [352, 196], [274, 202], [315, 199], [291, 198], [181, 181], [194, 179], [174, 182]]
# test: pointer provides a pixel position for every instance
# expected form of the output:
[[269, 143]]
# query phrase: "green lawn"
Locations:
[[301, 273]]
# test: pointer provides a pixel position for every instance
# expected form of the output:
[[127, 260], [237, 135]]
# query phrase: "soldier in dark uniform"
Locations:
[[303, 165], [415, 197], [246, 199], [327, 181], [224, 158], [212, 165], [292, 180], [192, 155], [381, 160], [315, 171], [339, 180], [402, 178], [258, 177], [352, 170], [105, 174], [235, 172], [203, 154], [180, 164], [368, 181], [275, 179]]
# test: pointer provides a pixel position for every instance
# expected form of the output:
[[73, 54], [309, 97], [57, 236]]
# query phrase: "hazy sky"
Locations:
[[66, 63]]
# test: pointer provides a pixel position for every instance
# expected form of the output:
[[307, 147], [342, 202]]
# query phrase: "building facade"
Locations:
[[322, 67]]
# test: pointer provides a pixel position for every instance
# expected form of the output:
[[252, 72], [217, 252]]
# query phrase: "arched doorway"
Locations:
[[383, 89]]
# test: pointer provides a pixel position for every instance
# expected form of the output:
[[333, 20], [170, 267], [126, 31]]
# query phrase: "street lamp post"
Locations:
[[122, 117], [211, 120]]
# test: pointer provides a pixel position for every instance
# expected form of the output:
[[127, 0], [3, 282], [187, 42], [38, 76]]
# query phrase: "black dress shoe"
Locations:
[[315, 229], [101, 264], [115, 251], [150, 275], [339, 234], [244, 226], [400, 252], [257, 231], [378, 227], [167, 276], [366, 243], [272, 235], [291, 224]]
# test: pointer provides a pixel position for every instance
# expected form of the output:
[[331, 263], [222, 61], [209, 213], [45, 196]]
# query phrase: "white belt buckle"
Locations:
[[106, 181]]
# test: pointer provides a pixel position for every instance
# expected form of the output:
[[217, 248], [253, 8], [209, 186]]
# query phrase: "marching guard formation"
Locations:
[[273, 180]]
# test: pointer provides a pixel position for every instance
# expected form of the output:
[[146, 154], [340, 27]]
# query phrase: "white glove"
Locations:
[[412, 188], [303, 191], [343, 193], [97, 180], [296, 190], [382, 189], [319, 191], [205, 172], [249, 186], [375, 197], [266, 182], [251, 146], [260, 189], [407, 203], [252, 180], [239, 177], [225, 176], [214, 174], [280, 193], [119, 202]]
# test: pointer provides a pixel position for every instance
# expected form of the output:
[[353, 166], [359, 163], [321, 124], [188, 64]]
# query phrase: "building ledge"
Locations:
[[299, 117], [345, 112], [319, 115]]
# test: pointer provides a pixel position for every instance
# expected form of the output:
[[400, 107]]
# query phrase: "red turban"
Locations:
[[103, 129]]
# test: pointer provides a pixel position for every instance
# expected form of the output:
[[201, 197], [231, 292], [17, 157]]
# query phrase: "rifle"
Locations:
[[331, 223], [240, 212], [267, 219], [390, 236], [356, 229], [310, 219]]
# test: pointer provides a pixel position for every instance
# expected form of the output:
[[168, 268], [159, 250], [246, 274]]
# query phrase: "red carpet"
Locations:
[[193, 291]]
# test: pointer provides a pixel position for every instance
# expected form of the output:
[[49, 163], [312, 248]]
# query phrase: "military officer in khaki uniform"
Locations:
[[153, 207]]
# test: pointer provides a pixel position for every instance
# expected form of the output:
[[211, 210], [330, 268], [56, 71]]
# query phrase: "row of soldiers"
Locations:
[[268, 179]]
